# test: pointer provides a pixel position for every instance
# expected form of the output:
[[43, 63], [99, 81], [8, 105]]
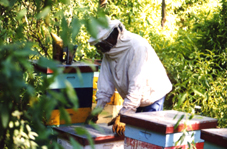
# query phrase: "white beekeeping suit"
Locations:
[[133, 68]]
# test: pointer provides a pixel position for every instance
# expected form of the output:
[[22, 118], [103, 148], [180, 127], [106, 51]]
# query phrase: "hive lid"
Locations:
[[106, 135], [164, 121], [215, 136], [75, 66]]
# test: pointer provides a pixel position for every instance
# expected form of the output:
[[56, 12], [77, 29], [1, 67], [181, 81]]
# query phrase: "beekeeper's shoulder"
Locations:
[[139, 42]]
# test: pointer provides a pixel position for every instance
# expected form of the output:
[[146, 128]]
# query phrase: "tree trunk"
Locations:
[[102, 3], [163, 13]]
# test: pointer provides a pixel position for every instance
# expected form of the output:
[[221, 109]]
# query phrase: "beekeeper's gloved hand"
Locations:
[[95, 112], [118, 126]]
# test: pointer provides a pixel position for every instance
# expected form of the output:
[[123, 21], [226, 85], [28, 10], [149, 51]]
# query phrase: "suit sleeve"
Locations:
[[105, 83]]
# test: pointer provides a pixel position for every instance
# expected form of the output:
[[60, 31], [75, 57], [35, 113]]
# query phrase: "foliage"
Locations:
[[25, 45], [192, 47], [196, 64]]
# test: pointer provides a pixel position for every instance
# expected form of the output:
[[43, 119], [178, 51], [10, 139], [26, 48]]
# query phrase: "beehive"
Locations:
[[214, 138], [157, 129], [104, 139], [83, 85]]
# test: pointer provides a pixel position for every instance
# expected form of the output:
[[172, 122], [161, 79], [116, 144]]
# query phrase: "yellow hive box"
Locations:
[[78, 116], [117, 100], [95, 81]]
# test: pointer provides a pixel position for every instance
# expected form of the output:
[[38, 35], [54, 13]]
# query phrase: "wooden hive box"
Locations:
[[102, 140], [156, 129], [214, 138], [83, 85]]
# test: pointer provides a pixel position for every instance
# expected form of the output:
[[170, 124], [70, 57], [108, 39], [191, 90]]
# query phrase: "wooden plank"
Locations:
[[78, 116], [82, 67], [136, 144], [164, 122], [109, 145], [215, 136], [208, 145], [77, 81], [99, 137]]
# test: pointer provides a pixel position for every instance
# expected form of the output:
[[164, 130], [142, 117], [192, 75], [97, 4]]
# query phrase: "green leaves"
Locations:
[[24, 53], [75, 28], [44, 13], [96, 111], [196, 66], [102, 20], [65, 34], [192, 48], [72, 95], [178, 121], [92, 27], [83, 131], [65, 1], [197, 92], [64, 115], [46, 63], [21, 14], [5, 116], [4, 3], [7, 3], [182, 99], [93, 24], [74, 143]]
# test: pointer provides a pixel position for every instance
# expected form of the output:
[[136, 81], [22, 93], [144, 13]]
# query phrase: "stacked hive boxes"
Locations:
[[157, 130], [112, 108], [83, 85]]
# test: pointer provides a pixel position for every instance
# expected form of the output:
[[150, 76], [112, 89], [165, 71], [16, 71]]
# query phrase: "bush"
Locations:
[[25, 29], [196, 64], [192, 47]]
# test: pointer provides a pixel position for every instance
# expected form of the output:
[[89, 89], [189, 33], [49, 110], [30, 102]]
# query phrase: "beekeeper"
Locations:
[[131, 66]]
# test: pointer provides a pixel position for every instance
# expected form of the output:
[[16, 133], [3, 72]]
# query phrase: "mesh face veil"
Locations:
[[105, 46]]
